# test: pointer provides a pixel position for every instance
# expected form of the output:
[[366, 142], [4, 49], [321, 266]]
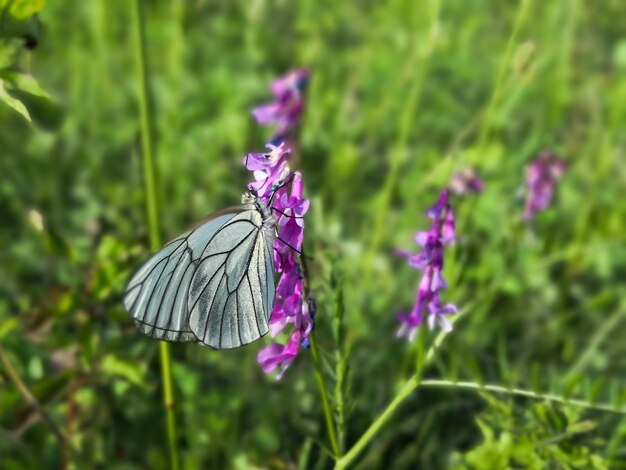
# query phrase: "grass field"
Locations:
[[403, 94]]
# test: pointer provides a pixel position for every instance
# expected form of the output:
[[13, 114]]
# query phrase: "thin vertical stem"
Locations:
[[406, 390], [504, 64], [152, 209], [319, 373], [340, 371], [147, 127], [168, 401], [341, 366], [328, 414]]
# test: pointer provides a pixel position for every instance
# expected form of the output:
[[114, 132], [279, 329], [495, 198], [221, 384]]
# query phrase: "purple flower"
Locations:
[[281, 356], [290, 307], [466, 181], [291, 209], [281, 187], [269, 169], [286, 110], [541, 177], [295, 81], [277, 355], [430, 260]]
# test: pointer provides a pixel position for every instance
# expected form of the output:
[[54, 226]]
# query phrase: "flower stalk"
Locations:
[[328, 413], [428, 307], [152, 208], [407, 389], [281, 188]]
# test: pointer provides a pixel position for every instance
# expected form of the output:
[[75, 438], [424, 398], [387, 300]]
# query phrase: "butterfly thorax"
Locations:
[[269, 221]]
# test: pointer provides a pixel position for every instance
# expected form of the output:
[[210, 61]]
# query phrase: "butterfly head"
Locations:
[[250, 196]]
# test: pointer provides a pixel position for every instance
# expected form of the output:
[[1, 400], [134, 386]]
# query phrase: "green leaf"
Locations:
[[8, 51], [22, 9], [130, 371], [22, 92], [7, 326], [22, 81], [16, 104]]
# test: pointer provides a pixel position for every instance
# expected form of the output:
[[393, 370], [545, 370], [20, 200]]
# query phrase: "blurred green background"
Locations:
[[403, 93]]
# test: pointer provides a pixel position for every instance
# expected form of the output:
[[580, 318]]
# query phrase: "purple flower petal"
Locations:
[[276, 355], [422, 238], [267, 113], [293, 82], [408, 325], [270, 356], [278, 321], [466, 181]]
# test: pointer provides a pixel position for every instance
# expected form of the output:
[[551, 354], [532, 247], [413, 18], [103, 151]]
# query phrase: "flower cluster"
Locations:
[[466, 181], [430, 260], [278, 185], [541, 177], [285, 112]]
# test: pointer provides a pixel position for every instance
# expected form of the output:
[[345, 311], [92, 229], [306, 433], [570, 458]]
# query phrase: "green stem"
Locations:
[[340, 372], [147, 127], [430, 354], [341, 369], [152, 209], [522, 393], [486, 127], [407, 389], [168, 401], [328, 414], [411, 385]]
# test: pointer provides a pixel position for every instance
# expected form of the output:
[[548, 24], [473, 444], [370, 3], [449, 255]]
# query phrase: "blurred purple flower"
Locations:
[[541, 177], [285, 112], [278, 185], [430, 260], [466, 181]]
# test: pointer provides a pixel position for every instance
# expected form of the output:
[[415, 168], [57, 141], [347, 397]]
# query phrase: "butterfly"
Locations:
[[213, 284]]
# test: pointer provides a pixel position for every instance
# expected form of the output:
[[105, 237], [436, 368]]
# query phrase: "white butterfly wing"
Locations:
[[157, 294], [232, 290]]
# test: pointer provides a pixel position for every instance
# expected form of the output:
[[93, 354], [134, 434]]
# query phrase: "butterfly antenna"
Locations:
[[261, 187], [282, 260], [287, 215], [280, 255], [302, 255], [290, 246], [279, 187]]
